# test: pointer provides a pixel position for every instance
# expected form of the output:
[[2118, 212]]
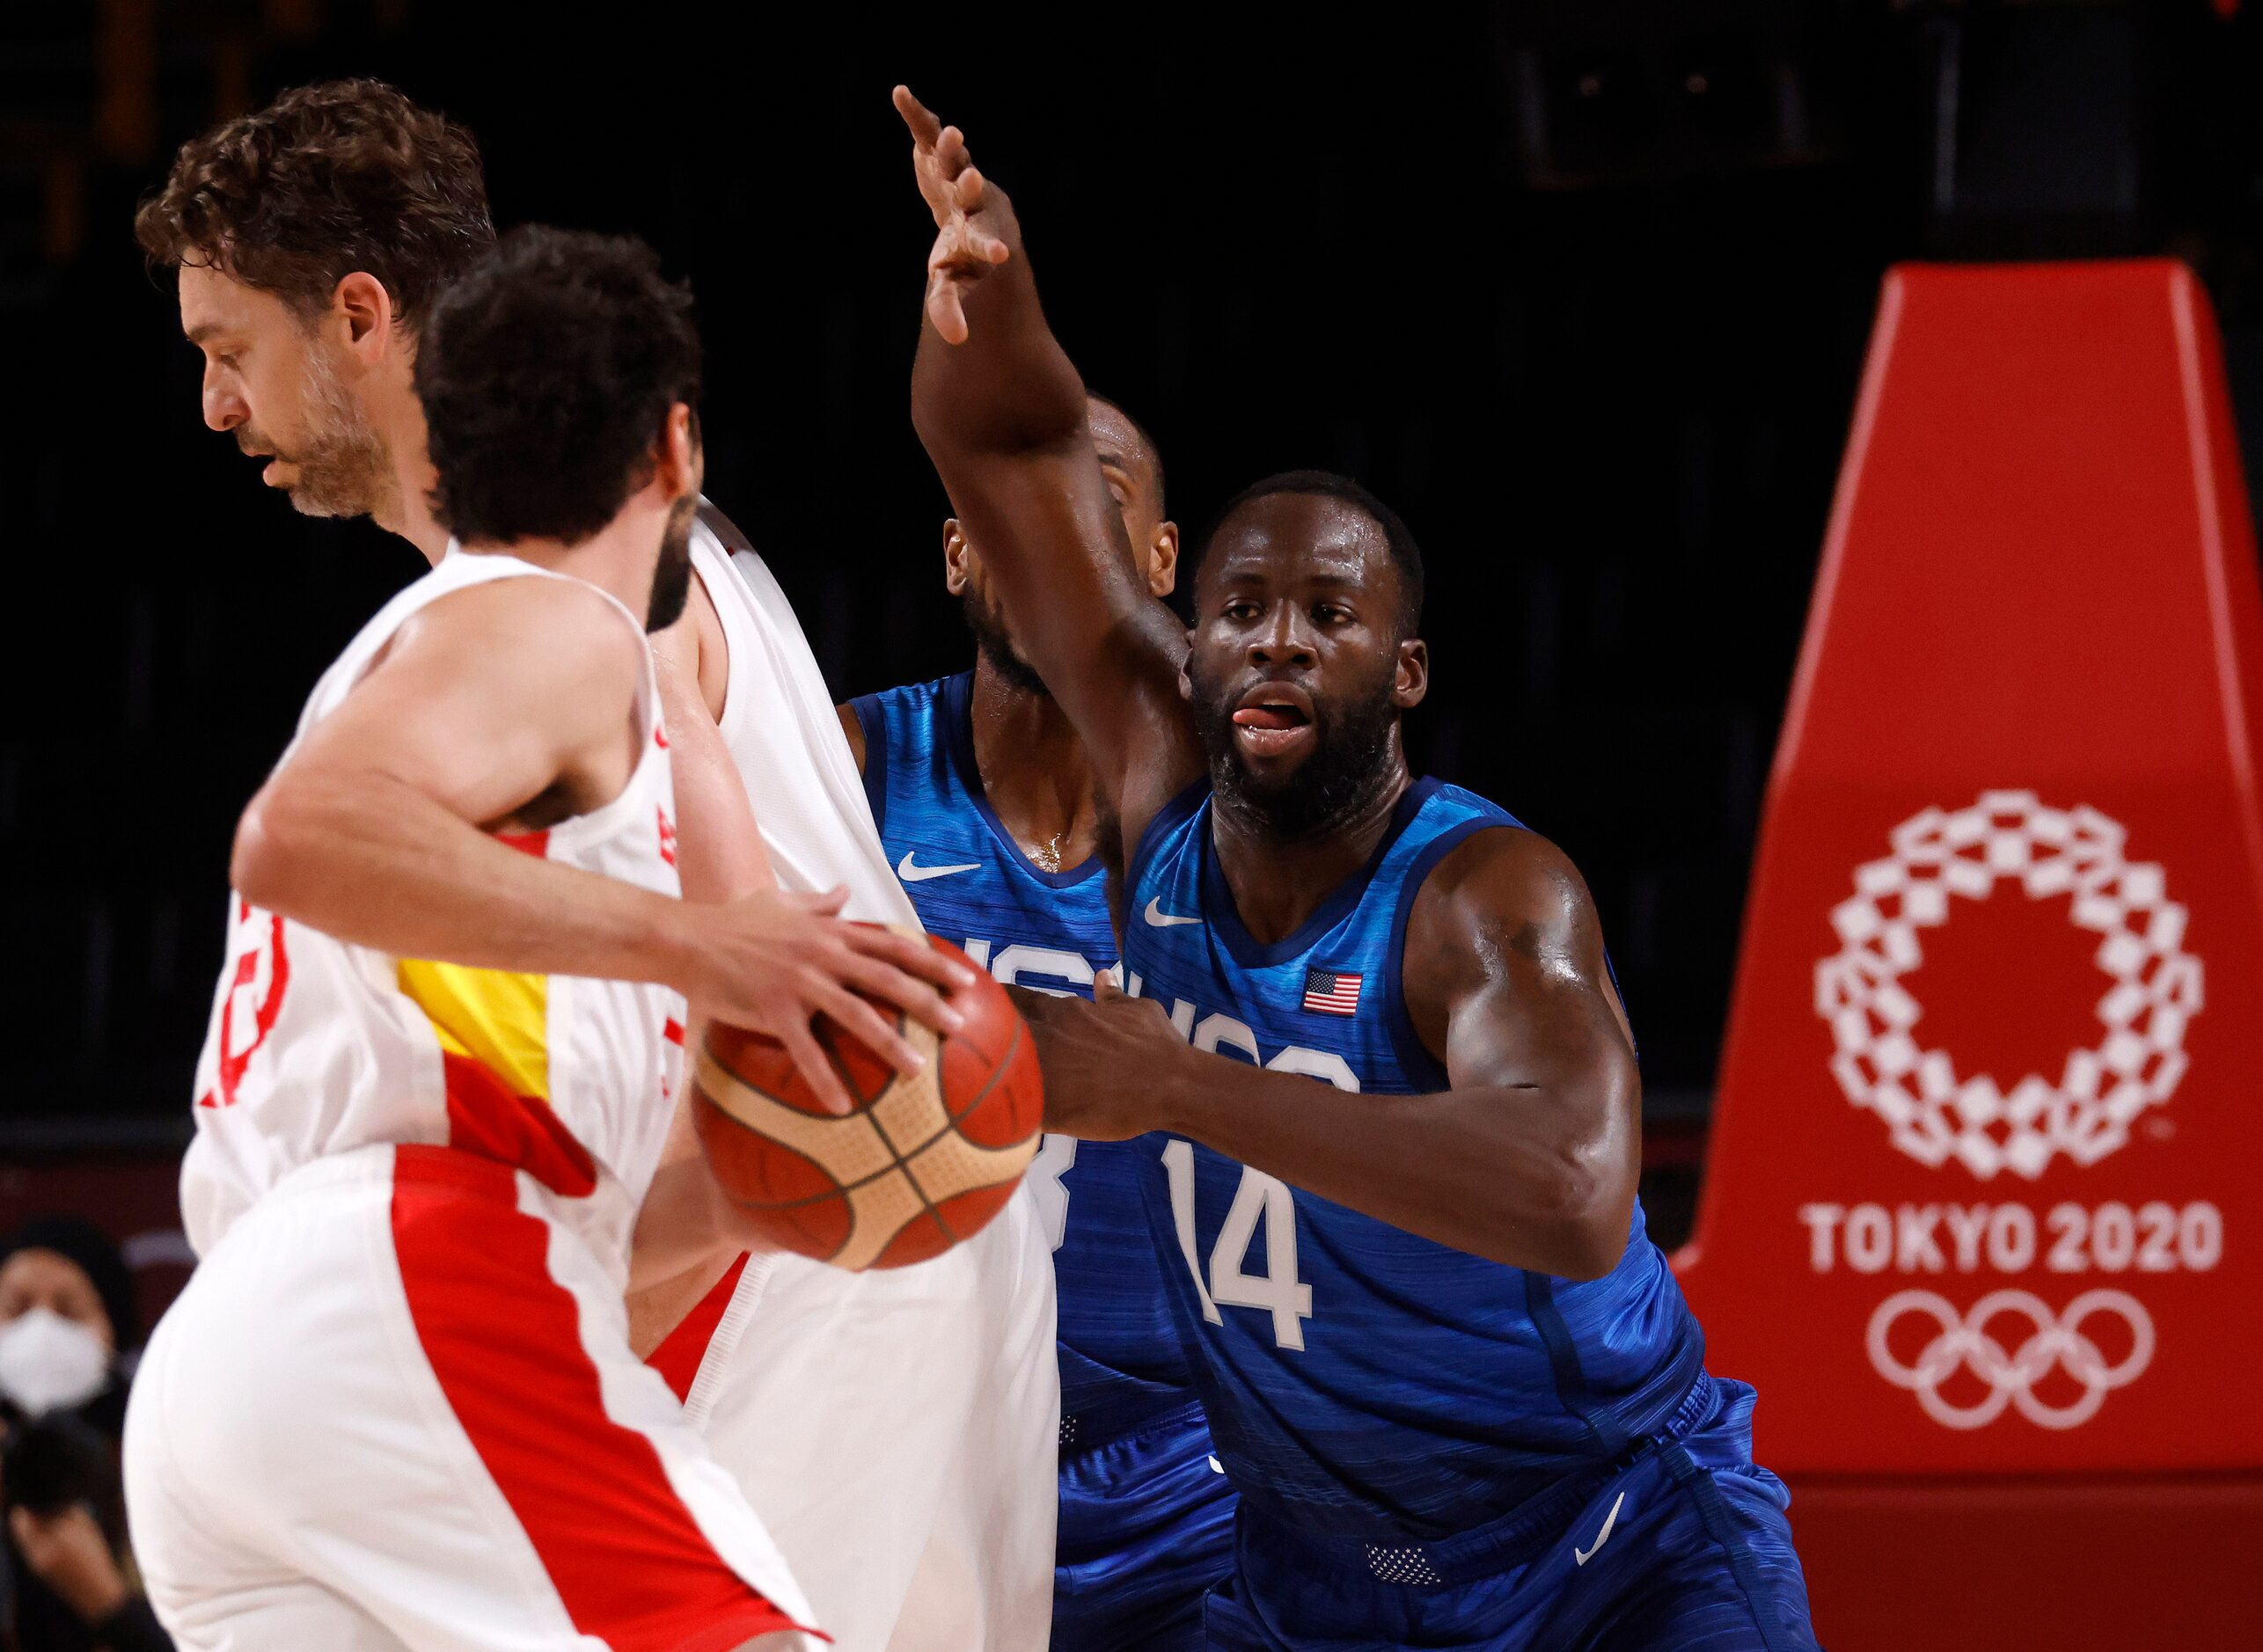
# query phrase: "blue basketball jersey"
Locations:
[[1121, 1361], [1360, 1381]]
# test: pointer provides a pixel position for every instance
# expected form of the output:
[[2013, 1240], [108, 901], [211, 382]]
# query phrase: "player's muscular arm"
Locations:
[[1530, 1157], [493, 707], [495, 703], [1001, 412]]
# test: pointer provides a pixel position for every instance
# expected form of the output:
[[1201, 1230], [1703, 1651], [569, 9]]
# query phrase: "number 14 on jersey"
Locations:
[[1277, 1290]]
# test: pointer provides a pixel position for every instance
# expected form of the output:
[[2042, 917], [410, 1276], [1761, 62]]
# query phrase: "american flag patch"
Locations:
[[1331, 992]]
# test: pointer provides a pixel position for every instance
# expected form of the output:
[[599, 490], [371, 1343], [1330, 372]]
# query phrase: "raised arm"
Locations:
[[1001, 412], [1529, 1157]]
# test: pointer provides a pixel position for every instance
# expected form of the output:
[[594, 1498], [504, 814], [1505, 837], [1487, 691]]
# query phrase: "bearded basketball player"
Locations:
[[316, 234], [440, 1052], [1384, 1088]]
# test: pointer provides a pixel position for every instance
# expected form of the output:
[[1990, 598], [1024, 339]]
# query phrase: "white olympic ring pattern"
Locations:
[[1932, 1113], [2053, 1340]]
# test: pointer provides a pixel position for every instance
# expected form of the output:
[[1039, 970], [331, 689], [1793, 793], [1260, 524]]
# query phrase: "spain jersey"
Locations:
[[943, 1515], [1120, 1359], [1362, 1382], [317, 1046]]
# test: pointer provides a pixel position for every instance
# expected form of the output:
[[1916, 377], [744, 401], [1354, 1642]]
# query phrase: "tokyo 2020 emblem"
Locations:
[[1935, 1112], [1932, 1112]]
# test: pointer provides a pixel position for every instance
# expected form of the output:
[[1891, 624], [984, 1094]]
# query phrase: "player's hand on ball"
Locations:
[[965, 249], [1103, 1061], [773, 961]]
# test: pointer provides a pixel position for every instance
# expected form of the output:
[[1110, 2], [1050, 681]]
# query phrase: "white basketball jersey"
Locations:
[[785, 735], [317, 1046], [895, 1429]]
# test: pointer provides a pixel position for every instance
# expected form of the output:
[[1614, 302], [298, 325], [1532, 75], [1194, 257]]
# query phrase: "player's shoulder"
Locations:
[[1500, 895], [877, 721], [1495, 870], [553, 629], [934, 692], [900, 708], [697, 649]]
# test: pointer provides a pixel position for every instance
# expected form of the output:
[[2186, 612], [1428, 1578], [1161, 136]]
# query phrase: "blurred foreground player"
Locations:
[[897, 1427], [396, 1402], [1455, 1384], [986, 803], [314, 236]]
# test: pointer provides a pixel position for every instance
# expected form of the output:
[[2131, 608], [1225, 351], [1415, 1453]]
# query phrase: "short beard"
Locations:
[[1347, 767], [991, 642], [672, 575], [343, 468]]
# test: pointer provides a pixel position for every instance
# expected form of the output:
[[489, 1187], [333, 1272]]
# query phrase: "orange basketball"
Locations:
[[922, 1164]]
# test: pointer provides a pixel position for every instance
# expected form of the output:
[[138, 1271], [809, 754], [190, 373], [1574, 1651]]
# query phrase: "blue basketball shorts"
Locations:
[[1147, 1528], [1686, 1549]]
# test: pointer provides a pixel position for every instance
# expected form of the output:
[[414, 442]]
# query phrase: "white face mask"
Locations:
[[48, 1363]]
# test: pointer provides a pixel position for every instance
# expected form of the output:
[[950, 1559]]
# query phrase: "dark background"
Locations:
[[1582, 289]]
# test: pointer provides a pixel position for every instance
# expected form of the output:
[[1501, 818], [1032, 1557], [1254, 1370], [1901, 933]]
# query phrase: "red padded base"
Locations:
[[2054, 1565]]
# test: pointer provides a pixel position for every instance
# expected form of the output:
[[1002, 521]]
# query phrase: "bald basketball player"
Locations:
[[363, 207]]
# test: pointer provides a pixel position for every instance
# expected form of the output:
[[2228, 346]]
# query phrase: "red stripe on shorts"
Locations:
[[679, 1357], [503, 1337]]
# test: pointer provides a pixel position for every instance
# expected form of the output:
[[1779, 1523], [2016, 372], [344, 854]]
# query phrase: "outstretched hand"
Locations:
[[964, 252]]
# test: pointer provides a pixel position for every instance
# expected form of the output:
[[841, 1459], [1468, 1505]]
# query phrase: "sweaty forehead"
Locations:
[[1299, 537], [1112, 433]]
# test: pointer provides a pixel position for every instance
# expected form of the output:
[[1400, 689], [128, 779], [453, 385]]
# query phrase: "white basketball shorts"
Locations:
[[396, 1407], [897, 1429]]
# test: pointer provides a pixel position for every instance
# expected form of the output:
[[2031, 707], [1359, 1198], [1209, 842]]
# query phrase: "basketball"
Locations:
[[924, 1163]]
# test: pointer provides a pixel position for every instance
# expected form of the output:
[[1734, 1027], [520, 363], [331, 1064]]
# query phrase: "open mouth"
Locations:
[[1272, 720]]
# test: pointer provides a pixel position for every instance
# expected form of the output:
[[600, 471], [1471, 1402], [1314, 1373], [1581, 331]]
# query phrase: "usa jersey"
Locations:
[[1362, 1382], [1121, 1363]]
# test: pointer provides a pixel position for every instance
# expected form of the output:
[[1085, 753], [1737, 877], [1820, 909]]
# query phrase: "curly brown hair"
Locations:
[[553, 366], [340, 176]]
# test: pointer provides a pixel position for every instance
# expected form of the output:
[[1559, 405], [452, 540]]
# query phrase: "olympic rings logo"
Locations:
[[1932, 1113], [2053, 1341]]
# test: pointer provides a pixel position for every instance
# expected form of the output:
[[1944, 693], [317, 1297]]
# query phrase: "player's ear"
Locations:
[[956, 554], [1411, 680], [675, 458], [1163, 561], [364, 310]]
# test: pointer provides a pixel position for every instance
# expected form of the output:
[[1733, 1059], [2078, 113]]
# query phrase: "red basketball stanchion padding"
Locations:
[[1983, 1210]]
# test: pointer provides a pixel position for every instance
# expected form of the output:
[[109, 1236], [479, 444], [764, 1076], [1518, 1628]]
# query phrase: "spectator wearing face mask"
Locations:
[[67, 1316]]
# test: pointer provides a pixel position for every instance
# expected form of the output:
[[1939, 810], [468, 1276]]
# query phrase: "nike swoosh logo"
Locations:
[[1162, 920], [911, 873], [1609, 1520]]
